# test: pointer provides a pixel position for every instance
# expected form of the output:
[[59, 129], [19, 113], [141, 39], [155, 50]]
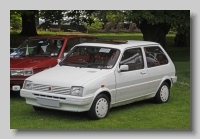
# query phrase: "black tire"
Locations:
[[37, 108], [163, 93], [100, 107]]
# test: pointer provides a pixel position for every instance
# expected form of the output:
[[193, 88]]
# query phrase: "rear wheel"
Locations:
[[100, 107], [163, 93]]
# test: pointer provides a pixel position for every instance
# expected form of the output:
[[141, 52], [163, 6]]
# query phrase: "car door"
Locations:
[[131, 83]]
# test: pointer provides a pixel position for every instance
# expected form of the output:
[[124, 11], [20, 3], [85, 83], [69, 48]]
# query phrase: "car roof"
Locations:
[[62, 36], [120, 44]]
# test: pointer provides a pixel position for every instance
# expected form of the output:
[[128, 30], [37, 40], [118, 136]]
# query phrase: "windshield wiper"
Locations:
[[101, 64], [76, 64], [80, 62], [98, 65]]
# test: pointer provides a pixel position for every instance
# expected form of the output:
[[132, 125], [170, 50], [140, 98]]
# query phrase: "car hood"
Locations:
[[67, 76], [30, 62]]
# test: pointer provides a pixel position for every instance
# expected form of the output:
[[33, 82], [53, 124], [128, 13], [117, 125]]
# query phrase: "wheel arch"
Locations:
[[92, 113], [166, 79], [104, 91], [107, 94]]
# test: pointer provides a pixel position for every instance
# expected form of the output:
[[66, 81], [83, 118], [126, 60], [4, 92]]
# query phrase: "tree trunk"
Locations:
[[156, 33], [182, 40], [37, 21], [28, 24], [59, 23]]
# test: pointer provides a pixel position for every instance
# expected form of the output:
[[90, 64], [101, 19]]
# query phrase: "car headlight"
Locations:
[[28, 85], [77, 91], [25, 72], [16, 72], [28, 72]]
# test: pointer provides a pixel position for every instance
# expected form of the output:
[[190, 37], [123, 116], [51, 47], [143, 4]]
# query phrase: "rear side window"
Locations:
[[155, 56]]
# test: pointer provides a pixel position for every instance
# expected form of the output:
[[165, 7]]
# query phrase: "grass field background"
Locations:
[[143, 115]]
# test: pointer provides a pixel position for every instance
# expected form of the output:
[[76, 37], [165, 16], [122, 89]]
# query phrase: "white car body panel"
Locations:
[[67, 76], [131, 84]]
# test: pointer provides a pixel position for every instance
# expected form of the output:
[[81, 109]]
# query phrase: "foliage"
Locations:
[[15, 20], [179, 19], [154, 24], [94, 26], [114, 17], [79, 17], [101, 15], [52, 16], [28, 21]]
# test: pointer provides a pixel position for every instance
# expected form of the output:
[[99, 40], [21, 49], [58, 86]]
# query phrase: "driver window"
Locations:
[[133, 58]]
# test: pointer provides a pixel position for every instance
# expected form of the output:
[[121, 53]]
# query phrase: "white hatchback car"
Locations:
[[96, 76]]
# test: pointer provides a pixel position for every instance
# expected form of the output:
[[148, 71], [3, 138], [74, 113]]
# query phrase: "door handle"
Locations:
[[143, 73]]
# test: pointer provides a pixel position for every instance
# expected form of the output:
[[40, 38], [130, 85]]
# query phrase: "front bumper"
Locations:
[[66, 102], [174, 79], [16, 83]]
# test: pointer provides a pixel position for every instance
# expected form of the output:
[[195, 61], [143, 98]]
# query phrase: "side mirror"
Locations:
[[58, 60], [123, 67], [65, 54]]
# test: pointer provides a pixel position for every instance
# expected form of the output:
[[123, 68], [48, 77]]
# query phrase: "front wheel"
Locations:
[[163, 93], [100, 107]]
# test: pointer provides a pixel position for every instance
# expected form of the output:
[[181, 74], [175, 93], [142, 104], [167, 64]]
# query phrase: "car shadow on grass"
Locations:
[[137, 104], [76, 116], [15, 94]]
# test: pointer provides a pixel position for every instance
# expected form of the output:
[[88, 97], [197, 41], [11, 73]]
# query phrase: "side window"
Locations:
[[133, 58], [155, 56]]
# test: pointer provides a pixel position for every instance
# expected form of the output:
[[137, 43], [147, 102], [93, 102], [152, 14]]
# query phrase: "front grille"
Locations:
[[51, 89], [49, 96]]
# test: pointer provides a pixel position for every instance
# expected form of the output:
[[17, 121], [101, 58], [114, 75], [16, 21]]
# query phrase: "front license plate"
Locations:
[[48, 102]]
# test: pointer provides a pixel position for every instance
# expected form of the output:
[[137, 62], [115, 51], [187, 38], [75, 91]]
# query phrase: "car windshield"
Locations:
[[91, 57], [39, 47]]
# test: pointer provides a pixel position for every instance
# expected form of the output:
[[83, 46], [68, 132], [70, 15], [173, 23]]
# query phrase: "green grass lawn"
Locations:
[[143, 115]]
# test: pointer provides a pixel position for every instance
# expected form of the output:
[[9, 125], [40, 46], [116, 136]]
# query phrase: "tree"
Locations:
[[182, 38], [94, 26], [52, 16], [28, 21], [78, 17], [15, 20], [30, 17], [114, 17], [155, 24]]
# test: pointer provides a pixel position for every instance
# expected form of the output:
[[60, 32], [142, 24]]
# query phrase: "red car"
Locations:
[[39, 53]]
